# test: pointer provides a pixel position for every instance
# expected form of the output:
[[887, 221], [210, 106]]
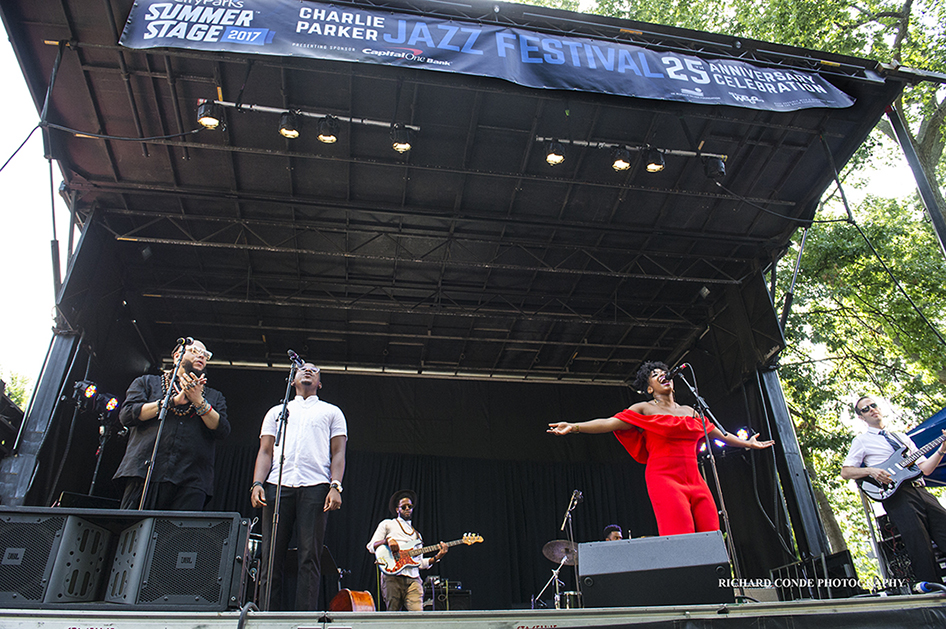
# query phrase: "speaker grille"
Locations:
[[187, 564], [26, 544]]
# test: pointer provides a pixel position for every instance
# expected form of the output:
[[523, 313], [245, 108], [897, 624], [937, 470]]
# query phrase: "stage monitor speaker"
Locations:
[[184, 561], [669, 570], [50, 558]]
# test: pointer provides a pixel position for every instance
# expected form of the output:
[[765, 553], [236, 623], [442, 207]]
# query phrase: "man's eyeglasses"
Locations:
[[869, 407], [406, 507], [196, 351]]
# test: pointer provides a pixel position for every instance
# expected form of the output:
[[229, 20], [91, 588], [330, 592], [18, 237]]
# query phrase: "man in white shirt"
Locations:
[[313, 443], [402, 591], [917, 514]]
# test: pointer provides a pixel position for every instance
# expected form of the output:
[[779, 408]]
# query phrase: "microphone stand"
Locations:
[[575, 499], [280, 424], [703, 409], [554, 578], [162, 413]]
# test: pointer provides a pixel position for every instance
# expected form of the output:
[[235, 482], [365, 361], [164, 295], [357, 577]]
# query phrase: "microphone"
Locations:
[[294, 357], [673, 373], [185, 341], [577, 497]]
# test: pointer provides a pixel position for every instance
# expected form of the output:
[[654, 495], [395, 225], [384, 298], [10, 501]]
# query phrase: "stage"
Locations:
[[916, 611]]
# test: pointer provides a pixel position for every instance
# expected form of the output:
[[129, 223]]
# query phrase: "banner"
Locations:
[[297, 28]]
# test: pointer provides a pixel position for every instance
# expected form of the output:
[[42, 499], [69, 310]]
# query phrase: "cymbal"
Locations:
[[558, 549]]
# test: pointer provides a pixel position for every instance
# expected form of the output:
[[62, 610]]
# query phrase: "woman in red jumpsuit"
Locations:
[[663, 435]]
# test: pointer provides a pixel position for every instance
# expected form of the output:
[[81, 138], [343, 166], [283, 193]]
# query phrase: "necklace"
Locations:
[[165, 382], [408, 533]]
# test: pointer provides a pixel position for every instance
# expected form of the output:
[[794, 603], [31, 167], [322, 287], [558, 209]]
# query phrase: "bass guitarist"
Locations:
[[917, 514], [402, 591]]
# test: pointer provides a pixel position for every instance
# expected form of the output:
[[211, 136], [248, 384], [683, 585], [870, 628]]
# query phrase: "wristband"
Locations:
[[255, 484], [336, 485]]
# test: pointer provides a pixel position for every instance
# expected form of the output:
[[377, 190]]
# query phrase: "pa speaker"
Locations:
[[50, 558], [671, 570], [185, 561]]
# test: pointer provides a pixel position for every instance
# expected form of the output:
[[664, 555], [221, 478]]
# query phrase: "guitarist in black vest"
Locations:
[[400, 573], [917, 514]]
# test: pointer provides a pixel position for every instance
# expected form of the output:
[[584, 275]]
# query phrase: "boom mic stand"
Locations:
[[575, 499], [280, 424], [162, 413], [553, 578], [703, 409]]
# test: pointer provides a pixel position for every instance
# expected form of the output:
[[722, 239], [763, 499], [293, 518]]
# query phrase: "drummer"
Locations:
[[612, 533]]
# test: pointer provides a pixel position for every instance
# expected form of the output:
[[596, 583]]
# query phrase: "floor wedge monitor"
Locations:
[[671, 570]]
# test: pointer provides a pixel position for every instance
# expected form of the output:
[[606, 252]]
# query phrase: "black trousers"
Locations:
[[300, 511], [163, 496], [919, 518]]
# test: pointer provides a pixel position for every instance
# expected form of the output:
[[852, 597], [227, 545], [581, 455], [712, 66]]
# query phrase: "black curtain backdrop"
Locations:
[[477, 454]]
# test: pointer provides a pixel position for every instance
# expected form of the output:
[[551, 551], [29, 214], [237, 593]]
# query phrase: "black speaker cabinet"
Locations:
[[177, 561], [50, 558], [671, 570], [182, 560]]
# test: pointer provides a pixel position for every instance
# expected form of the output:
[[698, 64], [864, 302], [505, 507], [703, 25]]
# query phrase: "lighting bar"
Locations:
[[631, 147], [310, 114]]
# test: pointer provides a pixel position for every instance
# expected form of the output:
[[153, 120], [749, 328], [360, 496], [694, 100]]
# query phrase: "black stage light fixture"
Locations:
[[400, 139], [289, 125], [621, 157], [556, 153], [714, 167], [209, 114], [83, 394], [654, 160], [328, 130]]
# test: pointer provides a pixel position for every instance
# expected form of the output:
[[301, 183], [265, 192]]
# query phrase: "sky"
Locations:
[[26, 226], [26, 306]]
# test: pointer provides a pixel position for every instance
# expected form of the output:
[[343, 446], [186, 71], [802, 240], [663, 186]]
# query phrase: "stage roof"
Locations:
[[468, 255]]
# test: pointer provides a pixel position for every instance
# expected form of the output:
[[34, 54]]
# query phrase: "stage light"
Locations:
[[328, 130], [654, 160], [289, 125], [556, 153], [85, 389], [209, 114], [111, 405], [621, 157], [743, 433], [400, 139], [714, 167]]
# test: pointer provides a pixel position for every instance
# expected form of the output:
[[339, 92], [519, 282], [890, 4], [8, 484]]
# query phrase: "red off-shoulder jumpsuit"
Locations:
[[666, 444]]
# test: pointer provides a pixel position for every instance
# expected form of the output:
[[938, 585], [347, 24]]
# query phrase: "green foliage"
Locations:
[[19, 388]]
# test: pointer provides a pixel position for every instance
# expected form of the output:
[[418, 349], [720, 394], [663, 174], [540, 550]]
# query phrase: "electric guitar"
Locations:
[[901, 468], [405, 559]]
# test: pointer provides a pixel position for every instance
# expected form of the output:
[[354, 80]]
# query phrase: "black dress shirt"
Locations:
[[186, 453]]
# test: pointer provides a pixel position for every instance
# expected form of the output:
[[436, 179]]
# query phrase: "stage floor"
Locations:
[[916, 611]]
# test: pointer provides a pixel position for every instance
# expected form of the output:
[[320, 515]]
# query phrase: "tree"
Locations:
[[18, 388]]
